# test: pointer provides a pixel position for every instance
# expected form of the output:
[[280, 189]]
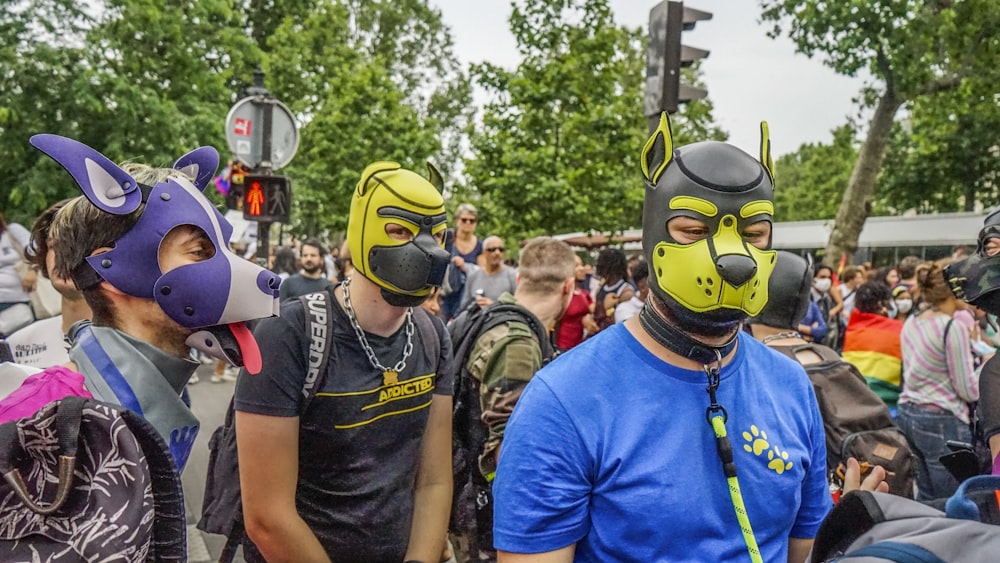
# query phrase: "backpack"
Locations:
[[856, 421], [468, 433], [88, 481], [869, 527], [221, 511]]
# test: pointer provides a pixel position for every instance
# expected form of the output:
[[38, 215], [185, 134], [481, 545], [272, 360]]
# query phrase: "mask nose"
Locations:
[[269, 282], [736, 269]]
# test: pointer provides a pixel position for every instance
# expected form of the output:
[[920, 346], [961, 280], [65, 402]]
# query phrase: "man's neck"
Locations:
[[373, 313], [313, 276], [546, 307], [492, 269], [143, 319], [74, 310]]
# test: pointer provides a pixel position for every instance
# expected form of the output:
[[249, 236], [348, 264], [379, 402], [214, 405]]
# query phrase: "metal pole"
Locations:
[[263, 243], [672, 57], [264, 227]]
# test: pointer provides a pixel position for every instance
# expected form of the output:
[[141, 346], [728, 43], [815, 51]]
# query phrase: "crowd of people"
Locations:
[[415, 396]]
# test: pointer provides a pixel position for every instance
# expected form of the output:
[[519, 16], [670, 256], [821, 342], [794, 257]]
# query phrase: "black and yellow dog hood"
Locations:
[[728, 190]]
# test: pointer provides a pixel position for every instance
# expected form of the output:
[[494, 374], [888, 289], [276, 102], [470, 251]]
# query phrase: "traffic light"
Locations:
[[267, 198], [666, 56]]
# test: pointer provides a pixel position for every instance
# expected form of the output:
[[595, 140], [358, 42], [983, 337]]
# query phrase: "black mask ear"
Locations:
[[658, 151], [435, 177]]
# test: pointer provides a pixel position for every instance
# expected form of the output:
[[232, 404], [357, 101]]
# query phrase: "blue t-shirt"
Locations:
[[609, 448]]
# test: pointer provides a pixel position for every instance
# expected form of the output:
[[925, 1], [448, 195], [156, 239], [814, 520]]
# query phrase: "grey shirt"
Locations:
[[493, 286], [298, 285]]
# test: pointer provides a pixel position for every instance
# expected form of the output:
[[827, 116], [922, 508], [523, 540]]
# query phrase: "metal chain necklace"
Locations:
[[390, 376], [781, 336]]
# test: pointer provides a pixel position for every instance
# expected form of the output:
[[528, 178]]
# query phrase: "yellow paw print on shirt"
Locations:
[[756, 440], [757, 444], [778, 460]]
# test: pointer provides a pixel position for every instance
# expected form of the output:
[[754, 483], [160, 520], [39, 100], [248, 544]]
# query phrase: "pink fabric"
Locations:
[[996, 465], [41, 389]]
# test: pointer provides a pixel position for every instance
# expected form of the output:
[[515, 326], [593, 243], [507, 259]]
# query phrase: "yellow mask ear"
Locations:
[[658, 151], [434, 177], [373, 169], [765, 151]]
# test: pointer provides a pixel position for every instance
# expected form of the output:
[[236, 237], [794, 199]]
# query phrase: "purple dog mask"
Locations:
[[214, 296]]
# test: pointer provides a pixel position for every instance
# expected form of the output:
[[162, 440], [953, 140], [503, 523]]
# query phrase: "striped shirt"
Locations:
[[933, 375]]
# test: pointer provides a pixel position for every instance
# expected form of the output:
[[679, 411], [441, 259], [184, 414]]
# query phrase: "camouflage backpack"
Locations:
[[468, 433]]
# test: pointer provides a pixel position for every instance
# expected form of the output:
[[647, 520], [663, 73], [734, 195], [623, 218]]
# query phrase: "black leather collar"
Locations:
[[680, 342]]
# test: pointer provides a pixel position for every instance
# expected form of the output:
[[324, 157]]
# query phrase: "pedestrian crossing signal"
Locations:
[[267, 198]]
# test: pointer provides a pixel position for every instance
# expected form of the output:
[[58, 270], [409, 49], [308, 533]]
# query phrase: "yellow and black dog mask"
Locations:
[[406, 270], [726, 189]]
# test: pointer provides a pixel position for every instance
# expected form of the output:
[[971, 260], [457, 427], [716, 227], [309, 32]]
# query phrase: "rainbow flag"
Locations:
[[871, 343]]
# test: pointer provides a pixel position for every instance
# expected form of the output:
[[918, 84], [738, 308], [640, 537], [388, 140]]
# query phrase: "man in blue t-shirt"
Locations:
[[674, 436]]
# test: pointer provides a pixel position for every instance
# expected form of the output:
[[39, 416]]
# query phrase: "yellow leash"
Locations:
[[716, 416], [719, 425]]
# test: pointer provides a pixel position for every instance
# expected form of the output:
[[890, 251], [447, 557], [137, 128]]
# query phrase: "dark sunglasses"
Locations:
[[467, 220], [494, 249]]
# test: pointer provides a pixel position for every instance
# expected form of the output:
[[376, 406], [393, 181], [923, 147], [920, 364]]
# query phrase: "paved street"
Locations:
[[209, 402]]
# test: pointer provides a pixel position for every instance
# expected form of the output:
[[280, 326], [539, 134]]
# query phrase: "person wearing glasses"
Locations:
[[466, 255], [486, 284]]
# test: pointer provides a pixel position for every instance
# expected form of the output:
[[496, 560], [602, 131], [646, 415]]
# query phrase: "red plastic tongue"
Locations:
[[248, 348]]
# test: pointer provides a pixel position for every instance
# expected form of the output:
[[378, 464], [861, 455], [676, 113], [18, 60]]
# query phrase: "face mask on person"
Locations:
[[904, 305], [823, 284]]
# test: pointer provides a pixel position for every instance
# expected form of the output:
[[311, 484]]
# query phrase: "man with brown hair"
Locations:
[[497, 357], [149, 254]]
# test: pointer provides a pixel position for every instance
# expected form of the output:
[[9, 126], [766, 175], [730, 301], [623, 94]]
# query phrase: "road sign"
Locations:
[[245, 131]]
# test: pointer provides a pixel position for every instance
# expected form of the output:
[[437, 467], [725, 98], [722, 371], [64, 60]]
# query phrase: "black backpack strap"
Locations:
[[500, 313], [318, 313]]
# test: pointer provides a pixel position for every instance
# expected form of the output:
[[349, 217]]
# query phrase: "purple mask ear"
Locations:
[[200, 164], [108, 187]]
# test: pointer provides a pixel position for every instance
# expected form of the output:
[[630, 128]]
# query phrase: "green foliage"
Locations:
[[557, 149], [148, 81], [810, 181], [373, 81], [947, 159], [142, 81], [912, 48]]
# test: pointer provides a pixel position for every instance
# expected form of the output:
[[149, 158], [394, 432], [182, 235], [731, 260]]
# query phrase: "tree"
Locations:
[[149, 81], [370, 81], [912, 48], [557, 149], [948, 157], [141, 81], [810, 180]]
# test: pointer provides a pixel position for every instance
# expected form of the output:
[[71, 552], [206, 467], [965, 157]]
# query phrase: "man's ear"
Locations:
[[569, 285]]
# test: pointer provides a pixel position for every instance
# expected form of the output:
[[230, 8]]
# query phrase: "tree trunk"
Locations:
[[856, 204]]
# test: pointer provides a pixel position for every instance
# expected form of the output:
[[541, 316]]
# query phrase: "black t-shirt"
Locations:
[[297, 285], [359, 442]]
